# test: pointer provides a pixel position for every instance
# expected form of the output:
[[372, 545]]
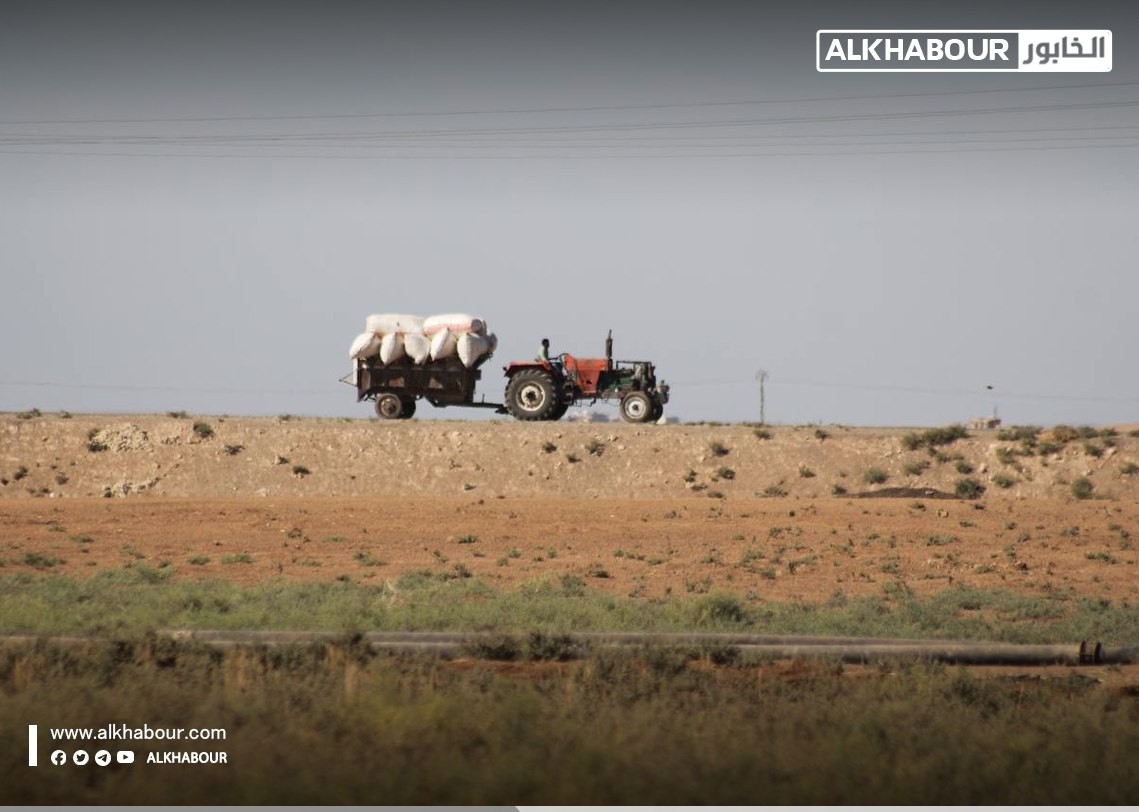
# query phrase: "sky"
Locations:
[[200, 203]]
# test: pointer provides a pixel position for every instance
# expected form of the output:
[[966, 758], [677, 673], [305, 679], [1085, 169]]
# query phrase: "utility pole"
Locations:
[[761, 376]]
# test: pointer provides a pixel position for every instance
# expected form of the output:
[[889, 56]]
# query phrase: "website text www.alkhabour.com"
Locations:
[[117, 741]]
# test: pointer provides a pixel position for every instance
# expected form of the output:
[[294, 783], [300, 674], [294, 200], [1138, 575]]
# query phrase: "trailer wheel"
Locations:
[[636, 407], [407, 410], [389, 406], [530, 395]]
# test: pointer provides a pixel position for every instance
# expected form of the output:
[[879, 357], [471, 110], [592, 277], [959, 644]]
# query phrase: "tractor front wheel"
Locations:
[[408, 408], [531, 395], [636, 407], [658, 410]]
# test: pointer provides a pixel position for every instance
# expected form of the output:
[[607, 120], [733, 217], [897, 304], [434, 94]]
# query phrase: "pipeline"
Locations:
[[775, 647]]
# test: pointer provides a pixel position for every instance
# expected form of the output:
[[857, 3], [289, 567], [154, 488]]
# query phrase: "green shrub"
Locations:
[[718, 449], [203, 430], [964, 467], [1082, 487], [934, 437], [237, 558], [1064, 434], [916, 468], [1006, 455], [968, 488], [1003, 481], [874, 476], [1026, 434]]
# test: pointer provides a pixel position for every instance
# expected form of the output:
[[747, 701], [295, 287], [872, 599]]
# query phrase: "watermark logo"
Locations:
[[103, 758], [125, 756], [59, 758], [946, 51], [79, 757]]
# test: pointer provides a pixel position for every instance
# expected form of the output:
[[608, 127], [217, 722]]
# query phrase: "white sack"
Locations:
[[443, 344], [471, 348], [365, 346], [387, 323], [455, 322], [391, 348], [417, 347]]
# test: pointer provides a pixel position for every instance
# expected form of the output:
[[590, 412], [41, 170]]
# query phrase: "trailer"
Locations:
[[397, 387]]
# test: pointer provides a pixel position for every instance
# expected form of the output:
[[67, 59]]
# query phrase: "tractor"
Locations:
[[545, 389]]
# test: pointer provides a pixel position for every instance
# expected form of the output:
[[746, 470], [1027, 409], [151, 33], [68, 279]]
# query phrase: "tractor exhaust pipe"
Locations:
[[609, 350]]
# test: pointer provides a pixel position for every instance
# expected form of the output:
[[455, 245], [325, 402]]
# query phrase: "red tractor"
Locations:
[[544, 390]]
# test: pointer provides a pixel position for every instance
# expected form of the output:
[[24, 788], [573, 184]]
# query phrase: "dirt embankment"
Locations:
[[119, 455], [639, 511]]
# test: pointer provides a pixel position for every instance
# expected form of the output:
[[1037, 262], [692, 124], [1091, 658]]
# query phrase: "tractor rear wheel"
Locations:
[[636, 407], [408, 408], [559, 411], [389, 406], [531, 395]]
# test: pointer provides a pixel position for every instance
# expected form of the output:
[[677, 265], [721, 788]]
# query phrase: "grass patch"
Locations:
[[334, 723], [916, 468], [1003, 481], [237, 558], [124, 601], [930, 438], [874, 476]]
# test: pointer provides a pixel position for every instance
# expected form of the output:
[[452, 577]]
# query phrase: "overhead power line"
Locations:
[[574, 109]]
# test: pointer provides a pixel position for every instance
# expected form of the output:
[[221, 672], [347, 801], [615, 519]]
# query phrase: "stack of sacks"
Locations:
[[395, 335]]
